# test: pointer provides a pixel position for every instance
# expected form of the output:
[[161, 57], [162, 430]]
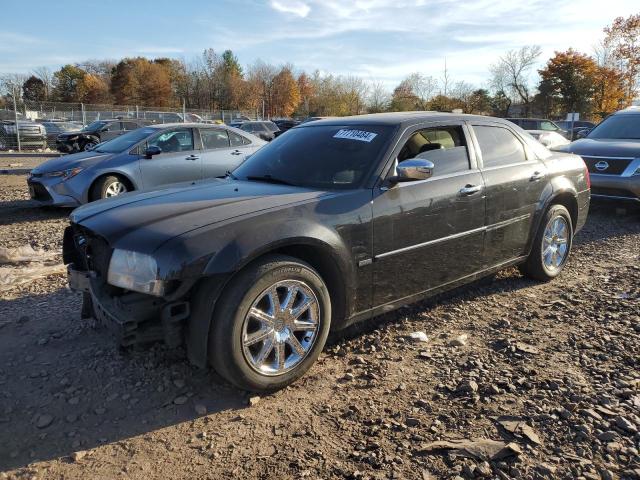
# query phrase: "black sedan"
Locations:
[[95, 133], [335, 222]]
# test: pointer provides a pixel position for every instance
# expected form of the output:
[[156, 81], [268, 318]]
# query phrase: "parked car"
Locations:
[[612, 153], [285, 124], [578, 126], [95, 133], [264, 129], [541, 124], [550, 140], [332, 223], [145, 158], [32, 135], [313, 119], [54, 128]]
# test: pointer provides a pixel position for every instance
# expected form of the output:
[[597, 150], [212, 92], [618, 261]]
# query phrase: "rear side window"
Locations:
[[214, 138], [498, 146], [237, 140]]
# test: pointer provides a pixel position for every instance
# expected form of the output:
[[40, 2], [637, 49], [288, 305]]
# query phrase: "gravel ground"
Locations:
[[515, 379]]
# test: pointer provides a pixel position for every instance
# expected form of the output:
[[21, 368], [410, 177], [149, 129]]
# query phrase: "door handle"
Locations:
[[236, 152], [192, 157], [536, 176], [470, 189]]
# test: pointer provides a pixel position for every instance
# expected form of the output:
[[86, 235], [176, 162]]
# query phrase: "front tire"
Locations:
[[270, 324], [109, 186], [551, 246], [90, 143]]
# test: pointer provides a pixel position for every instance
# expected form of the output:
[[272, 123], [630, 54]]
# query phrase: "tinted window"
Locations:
[[498, 146], [618, 126], [129, 126], [272, 127], [325, 156], [237, 140], [253, 127], [547, 125], [444, 146], [175, 140], [126, 141], [214, 138]]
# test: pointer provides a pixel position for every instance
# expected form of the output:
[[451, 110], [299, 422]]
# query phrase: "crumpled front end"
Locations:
[[132, 317]]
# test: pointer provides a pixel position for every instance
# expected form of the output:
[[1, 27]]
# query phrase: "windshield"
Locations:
[[126, 141], [323, 156], [618, 126], [97, 125]]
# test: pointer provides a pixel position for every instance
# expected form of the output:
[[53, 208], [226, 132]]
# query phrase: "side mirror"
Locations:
[[152, 150], [414, 169]]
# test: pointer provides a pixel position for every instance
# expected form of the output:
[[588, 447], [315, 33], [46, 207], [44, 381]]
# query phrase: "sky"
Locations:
[[378, 40]]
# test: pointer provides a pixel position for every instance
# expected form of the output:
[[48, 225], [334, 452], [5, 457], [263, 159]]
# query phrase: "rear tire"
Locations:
[[270, 323], [551, 245], [109, 186]]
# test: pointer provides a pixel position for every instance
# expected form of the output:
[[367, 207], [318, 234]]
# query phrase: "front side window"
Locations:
[[324, 156], [214, 138], [175, 140], [499, 146], [445, 146]]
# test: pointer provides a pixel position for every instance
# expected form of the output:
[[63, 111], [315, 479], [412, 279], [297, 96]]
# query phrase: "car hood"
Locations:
[[143, 221], [605, 147], [71, 161], [72, 133]]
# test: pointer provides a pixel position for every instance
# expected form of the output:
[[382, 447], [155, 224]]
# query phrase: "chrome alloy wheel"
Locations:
[[115, 188], [555, 243], [281, 327]]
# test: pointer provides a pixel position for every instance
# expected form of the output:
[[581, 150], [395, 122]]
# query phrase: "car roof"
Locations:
[[634, 110], [401, 118]]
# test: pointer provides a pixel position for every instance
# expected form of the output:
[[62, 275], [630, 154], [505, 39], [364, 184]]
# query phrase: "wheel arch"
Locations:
[[318, 254], [131, 184]]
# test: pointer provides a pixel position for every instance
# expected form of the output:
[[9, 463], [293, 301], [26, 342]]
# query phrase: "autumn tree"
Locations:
[[33, 89], [137, 81], [378, 98], [609, 93], [306, 89], [569, 77], [623, 39], [286, 94], [66, 82], [93, 89], [403, 98]]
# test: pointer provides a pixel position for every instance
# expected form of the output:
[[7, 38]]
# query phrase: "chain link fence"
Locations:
[[34, 126]]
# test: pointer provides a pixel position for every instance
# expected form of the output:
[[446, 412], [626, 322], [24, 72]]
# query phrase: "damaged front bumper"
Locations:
[[133, 318]]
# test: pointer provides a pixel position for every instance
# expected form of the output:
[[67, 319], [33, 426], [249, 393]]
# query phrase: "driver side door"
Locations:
[[179, 161], [428, 233]]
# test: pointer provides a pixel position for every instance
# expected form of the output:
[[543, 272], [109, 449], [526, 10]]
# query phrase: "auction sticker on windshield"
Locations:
[[359, 135]]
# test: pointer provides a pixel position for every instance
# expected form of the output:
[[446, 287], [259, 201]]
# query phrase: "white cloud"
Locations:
[[301, 9]]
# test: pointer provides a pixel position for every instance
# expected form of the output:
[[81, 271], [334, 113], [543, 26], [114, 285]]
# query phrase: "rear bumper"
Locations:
[[616, 187]]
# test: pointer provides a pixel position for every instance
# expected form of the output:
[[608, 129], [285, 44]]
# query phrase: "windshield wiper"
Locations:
[[269, 179]]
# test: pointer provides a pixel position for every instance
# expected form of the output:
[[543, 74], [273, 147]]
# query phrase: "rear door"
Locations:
[[514, 180], [429, 233], [218, 156], [179, 161]]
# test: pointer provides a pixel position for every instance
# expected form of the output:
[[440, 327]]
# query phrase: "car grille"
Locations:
[[612, 192], [39, 192], [615, 166]]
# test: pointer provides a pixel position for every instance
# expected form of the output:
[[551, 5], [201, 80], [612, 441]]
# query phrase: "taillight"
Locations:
[[587, 176]]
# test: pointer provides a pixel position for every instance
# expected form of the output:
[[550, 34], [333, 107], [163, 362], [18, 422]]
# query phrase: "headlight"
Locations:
[[135, 271], [65, 174]]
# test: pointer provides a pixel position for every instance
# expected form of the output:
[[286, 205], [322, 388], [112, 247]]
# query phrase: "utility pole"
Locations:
[[15, 114]]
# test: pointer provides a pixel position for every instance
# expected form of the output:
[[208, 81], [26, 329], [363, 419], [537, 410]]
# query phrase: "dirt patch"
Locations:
[[508, 379]]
